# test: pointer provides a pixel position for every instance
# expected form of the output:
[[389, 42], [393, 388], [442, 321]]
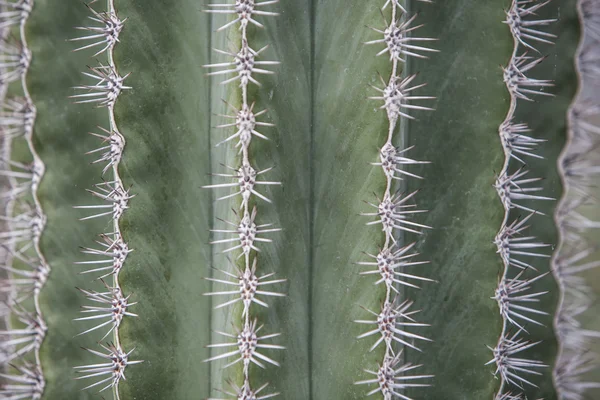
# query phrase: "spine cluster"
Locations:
[[577, 253], [517, 302], [245, 345], [25, 267], [394, 264], [107, 307]]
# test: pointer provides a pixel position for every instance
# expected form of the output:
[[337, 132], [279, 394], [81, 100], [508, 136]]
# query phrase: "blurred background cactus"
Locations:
[[244, 199]]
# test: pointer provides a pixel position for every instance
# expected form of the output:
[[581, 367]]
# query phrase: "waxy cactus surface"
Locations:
[[299, 199]]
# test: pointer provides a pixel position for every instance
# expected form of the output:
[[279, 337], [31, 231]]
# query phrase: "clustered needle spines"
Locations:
[[515, 295], [247, 341], [107, 308], [577, 251], [395, 265], [25, 267]]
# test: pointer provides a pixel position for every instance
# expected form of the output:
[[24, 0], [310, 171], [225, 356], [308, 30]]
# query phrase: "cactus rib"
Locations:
[[516, 301], [113, 249], [246, 340], [393, 211], [25, 229], [574, 359]]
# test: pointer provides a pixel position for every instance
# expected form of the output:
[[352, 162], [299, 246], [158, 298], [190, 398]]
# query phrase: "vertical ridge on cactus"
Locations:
[[22, 340], [394, 210], [104, 93], [273, 277], [577, 361], [244, 65], [516, 373]]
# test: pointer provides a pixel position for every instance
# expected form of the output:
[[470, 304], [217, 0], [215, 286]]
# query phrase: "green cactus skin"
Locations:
[[61, 130], [326, 137]]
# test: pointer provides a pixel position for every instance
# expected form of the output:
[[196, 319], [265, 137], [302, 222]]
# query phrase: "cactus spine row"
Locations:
[[516, 301], [27, 222], [111, 305], [394, 264], [247, 343]]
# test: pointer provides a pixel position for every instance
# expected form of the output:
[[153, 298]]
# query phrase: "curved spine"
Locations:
[[394, 264], [245, 284], [578, 171], [113, 250], [514, 295]]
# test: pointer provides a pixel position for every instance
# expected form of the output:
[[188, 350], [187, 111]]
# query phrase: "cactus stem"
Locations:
[[17, 117]]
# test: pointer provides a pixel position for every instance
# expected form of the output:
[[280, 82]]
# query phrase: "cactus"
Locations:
[[250, 199]]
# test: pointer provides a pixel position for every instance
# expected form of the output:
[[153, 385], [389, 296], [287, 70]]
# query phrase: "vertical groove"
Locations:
[[312, 206]]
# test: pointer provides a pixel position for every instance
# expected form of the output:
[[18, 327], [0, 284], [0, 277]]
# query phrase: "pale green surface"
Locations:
[[327, 134], [165, 120], [348, 130]]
